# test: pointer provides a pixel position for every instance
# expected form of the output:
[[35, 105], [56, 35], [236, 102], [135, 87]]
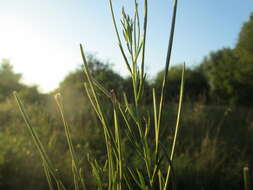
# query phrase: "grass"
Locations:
[[246, 178], [130, 124]]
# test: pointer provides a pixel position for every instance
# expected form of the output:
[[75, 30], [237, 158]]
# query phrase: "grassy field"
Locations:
[[213, 147], [110, 138]]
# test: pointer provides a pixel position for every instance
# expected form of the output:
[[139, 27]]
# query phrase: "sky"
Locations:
[[41, 38]]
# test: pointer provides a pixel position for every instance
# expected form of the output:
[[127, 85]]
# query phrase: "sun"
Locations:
[[30, 52]]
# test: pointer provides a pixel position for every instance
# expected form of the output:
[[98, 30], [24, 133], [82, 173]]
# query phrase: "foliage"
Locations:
[[117, 172], [244, 46], [213, 145], [196, 84], [9, 81], [230, 71], [221, 69], [202, 160], [244, 50]]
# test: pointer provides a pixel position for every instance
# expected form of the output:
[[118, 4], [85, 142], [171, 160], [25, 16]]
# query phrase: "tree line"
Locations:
[[223, 77], [214, 142]]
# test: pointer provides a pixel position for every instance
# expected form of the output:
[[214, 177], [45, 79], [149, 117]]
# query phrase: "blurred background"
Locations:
[[39, 55]]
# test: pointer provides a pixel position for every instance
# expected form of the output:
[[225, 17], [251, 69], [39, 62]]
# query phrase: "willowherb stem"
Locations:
[[128, 123]]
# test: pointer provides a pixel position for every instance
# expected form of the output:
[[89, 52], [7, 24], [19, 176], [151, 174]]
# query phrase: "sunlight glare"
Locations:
[[31, 53]]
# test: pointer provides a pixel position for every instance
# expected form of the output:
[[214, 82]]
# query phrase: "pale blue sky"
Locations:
[[41, 38]]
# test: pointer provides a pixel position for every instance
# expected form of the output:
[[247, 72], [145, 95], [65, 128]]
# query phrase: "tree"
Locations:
[[230, 71], [244, 49], [72, 87], [221, 69], [244, 46], [9, 81], [195, 83], [100, 71]]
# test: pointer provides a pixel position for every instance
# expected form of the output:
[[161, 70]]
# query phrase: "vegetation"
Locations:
[[213, 143], [229, 71]]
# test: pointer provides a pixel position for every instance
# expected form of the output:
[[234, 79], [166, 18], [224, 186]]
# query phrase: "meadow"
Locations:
[[213, 145], [188, 128]]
